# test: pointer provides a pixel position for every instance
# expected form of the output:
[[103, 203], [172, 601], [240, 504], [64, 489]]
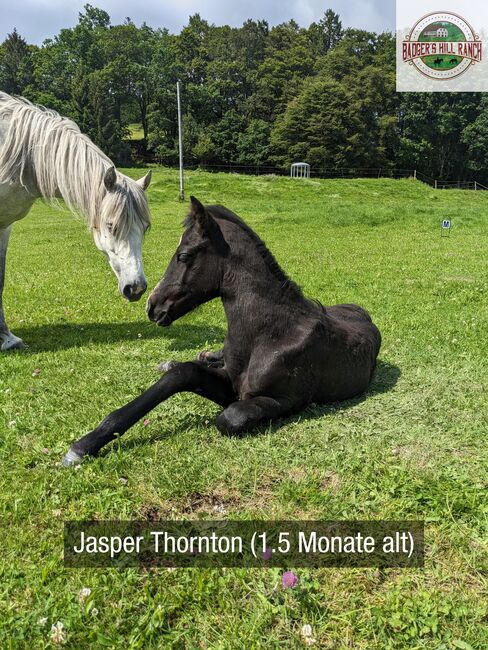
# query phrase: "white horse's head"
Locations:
[[120, 228]]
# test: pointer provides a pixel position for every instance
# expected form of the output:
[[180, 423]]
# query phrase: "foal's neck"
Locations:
[[257, 304]]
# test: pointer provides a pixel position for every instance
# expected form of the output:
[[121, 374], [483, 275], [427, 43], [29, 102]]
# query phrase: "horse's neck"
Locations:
[[50, 185]]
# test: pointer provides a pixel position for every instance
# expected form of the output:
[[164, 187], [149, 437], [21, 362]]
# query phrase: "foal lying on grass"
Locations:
[[282, 351]]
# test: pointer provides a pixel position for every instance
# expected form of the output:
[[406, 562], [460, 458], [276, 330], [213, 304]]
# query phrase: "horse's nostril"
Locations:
[[150, 309], [127, 291]]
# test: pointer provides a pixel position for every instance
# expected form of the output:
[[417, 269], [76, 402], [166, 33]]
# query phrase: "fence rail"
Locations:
[[336, 172]]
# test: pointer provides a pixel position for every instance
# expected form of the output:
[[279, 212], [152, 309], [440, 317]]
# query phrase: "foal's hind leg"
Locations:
[[189, 376], [247, 414], [8, 341]]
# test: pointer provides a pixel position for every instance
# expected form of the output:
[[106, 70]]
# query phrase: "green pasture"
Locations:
[[414, 448]]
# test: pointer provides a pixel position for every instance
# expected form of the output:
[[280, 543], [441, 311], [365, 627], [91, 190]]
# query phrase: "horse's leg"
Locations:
[[190, 376], [247, 414], [8, 341]]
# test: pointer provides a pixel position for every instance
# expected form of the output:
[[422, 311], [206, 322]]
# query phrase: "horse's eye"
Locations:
[[183, 257]]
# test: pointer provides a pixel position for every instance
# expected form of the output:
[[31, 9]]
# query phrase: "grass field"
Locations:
[[415, 448]]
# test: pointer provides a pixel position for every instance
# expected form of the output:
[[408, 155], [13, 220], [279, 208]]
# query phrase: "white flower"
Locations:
[[84, 593], [307, 633], [58, 635], [94, 611], [42, 621], [306, 630], [12, 423]]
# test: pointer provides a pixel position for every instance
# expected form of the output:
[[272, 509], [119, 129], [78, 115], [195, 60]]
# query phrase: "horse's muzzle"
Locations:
[[134, 292]]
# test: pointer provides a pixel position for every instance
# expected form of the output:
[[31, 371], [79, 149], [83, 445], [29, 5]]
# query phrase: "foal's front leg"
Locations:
[[189, 376], [8, 341]]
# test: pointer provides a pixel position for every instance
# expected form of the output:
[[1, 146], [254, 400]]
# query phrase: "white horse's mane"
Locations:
[[50, 149]]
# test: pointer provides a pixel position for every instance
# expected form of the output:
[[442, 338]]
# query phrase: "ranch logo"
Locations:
[[442, 45]]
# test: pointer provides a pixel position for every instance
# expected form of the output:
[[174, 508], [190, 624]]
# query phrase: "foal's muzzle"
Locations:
[[157, 314], [134, 292]]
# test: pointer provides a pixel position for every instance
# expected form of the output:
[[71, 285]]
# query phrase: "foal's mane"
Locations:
[[220, 212], [43, 147]]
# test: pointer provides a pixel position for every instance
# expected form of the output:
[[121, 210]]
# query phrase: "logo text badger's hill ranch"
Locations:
[[442, 46]]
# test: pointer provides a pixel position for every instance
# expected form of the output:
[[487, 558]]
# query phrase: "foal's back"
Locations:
[[346, 352]]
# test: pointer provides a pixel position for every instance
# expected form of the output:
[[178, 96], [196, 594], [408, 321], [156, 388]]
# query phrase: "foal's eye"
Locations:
[[183, 257]]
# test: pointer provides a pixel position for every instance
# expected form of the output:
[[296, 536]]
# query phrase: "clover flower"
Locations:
[[289, 580]]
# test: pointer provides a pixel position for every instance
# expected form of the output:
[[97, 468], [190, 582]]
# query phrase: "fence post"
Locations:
[[435, 184], [475, 186], [415, 174]]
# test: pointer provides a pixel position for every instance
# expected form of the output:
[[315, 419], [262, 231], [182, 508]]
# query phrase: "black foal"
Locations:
[[281, 351]]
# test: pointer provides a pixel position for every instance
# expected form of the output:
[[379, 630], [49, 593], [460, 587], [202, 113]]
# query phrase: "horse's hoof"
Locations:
[[13, 342], [71, 459], [164, 366]]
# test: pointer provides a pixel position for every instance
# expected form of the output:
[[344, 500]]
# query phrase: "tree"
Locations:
[[253, 146], [279, 78], [325, 34], [432, 130], [225, 136], [15, 64], [475, 139], [106, 130], [346, 115]]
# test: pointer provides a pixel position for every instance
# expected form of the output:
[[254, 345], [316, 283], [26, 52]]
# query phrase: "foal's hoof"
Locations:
[[13, 342], [164, 366], [72, 458], [211, 359]]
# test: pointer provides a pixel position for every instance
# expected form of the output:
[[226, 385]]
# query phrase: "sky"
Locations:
[[37, 20]]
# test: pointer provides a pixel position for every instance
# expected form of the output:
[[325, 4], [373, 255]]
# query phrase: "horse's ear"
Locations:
[[110, 178], [200, 214], [145, 180]]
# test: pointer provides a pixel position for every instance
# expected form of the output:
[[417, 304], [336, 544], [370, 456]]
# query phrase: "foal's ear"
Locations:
[[200, 214], [110, 178]]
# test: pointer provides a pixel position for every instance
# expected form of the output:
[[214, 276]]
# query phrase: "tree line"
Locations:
[[252, 95]]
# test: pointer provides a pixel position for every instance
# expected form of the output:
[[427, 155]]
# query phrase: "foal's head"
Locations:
[[195, 270]]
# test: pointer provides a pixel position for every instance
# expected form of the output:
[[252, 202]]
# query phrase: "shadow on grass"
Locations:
[[385, 378], [63, 336]]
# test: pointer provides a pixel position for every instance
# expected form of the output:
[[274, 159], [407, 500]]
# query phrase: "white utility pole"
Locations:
[[180, 142]]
